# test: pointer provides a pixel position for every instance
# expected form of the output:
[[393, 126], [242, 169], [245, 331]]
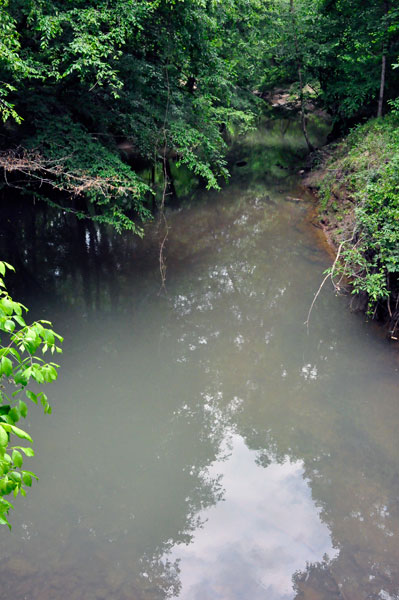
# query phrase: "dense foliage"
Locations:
[[96, 96], [102, 89], [363, 46], [345, 50], [19, 368]]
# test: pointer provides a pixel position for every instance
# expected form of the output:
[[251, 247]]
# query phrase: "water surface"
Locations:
[[204, 445]]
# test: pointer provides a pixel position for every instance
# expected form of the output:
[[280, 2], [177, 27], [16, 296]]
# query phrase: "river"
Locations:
[[204, 445]]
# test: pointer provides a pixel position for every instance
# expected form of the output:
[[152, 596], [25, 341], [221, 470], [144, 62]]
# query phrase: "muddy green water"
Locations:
[[203, 445]]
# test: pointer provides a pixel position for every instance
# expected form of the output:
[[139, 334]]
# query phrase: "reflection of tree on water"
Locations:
[[345, 442], [124, 557], [56, 254], [318, 581]]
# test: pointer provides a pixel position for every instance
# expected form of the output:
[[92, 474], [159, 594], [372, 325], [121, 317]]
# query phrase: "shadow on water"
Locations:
[[203, 445]]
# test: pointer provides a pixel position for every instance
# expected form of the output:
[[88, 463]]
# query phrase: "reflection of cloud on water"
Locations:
[[309, 372], [267, 528]]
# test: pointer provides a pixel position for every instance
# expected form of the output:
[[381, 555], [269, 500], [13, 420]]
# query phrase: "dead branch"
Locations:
[[55, 173], [330, 275]]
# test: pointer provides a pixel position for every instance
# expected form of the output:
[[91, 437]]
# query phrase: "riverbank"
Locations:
[[356, 182]]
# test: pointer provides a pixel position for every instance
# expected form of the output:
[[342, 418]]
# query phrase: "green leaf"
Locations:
[[3, 437], [48, 336], [31, 396], [15, 353], [20, 433], [4, 521], [23, 409], [37, 374], [17, 458], [14, 414], [7, 305], [19, 320], [32, 475], [5, 366], [27, 451], [27, 478], [20, 377], [9, 326]]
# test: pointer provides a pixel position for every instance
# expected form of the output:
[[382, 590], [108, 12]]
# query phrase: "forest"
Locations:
[[102, 102], [93, 93]]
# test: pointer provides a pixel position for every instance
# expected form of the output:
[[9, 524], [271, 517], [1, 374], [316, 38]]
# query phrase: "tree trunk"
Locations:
[[299, 70], [382, 86], [303, 115], [383, 61]]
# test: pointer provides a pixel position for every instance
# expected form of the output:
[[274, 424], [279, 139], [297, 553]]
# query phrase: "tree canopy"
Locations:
[[97, 90], [96, 95]]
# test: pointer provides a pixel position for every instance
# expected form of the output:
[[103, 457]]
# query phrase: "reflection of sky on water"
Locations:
[[251, 544]]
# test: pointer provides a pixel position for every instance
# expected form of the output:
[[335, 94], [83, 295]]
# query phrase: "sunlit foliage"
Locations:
[[20, 367]]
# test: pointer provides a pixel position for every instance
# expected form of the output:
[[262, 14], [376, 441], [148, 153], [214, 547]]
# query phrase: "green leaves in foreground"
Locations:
[[19, 367]]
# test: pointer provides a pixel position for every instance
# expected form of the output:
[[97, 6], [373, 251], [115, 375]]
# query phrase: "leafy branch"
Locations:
[[19, 367]]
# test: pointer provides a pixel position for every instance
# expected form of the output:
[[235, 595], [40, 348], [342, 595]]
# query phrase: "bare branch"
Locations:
[[330, 275], [56, 174]]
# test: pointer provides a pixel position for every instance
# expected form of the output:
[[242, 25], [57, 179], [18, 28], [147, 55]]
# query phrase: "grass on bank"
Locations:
[[358, 189]]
